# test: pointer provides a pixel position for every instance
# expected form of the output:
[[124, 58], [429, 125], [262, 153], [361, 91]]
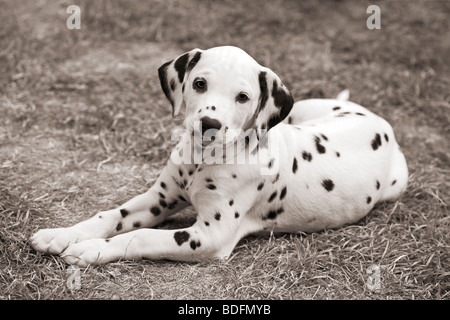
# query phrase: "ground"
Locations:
[[84, 127]]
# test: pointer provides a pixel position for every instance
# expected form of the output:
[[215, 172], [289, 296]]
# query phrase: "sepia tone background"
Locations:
[[84, 127]]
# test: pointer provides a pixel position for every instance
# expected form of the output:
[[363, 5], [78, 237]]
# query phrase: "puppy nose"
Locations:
[[208, 123]]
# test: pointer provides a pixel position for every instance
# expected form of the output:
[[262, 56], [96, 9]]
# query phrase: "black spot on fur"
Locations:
[[283, 193], [378, 185], [173, 85], [272, 196], [378, 139], [277, 176], [181, 198], [236, 214], [163, 203], [272, 214], [191, 172], [107, 240], [207, 223], [307, 156], [137, 224], [217, 216], [119, 226], [181, 237], [260, 186], [369, 200], [376, 142], [211, 187], [162, 196], [194, 244], [386, 137], [338, 154], [320, 148], [290, 120], [311, 220], [294, 165], [360, 114], [324, 137], [328, 184], [231, 202], [124, 212], [209, 180], [394, 182], [270, 164], [233, 175], [155, 210], [182, 185], [180, 172], [172, 205], [343, 114], [163, 185], [336, 108]]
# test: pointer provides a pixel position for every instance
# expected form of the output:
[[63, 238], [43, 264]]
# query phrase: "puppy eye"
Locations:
[[242, 97], [199, 85]]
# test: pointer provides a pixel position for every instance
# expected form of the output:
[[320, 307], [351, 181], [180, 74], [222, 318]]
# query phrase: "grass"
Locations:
[[84, 127]]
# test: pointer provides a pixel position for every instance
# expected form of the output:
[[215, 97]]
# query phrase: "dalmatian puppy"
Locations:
[[315, 164]]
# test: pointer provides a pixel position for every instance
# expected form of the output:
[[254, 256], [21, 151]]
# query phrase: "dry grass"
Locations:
[[84, 127]]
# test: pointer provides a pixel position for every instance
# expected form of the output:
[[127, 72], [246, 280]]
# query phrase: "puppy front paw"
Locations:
[[55, 241]]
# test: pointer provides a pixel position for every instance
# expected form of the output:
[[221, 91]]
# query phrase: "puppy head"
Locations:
[[224, 88]]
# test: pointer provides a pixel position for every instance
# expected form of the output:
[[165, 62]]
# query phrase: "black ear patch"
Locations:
[[283, 101], [181, 66], [264, 91], [162, 73], [281, 97], [194, 61]]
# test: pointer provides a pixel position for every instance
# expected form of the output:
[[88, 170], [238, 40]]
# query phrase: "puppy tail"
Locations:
[[344, 95]]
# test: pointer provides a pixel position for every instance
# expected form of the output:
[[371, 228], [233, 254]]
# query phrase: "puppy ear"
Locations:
[[172, 75], [275, 101]]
